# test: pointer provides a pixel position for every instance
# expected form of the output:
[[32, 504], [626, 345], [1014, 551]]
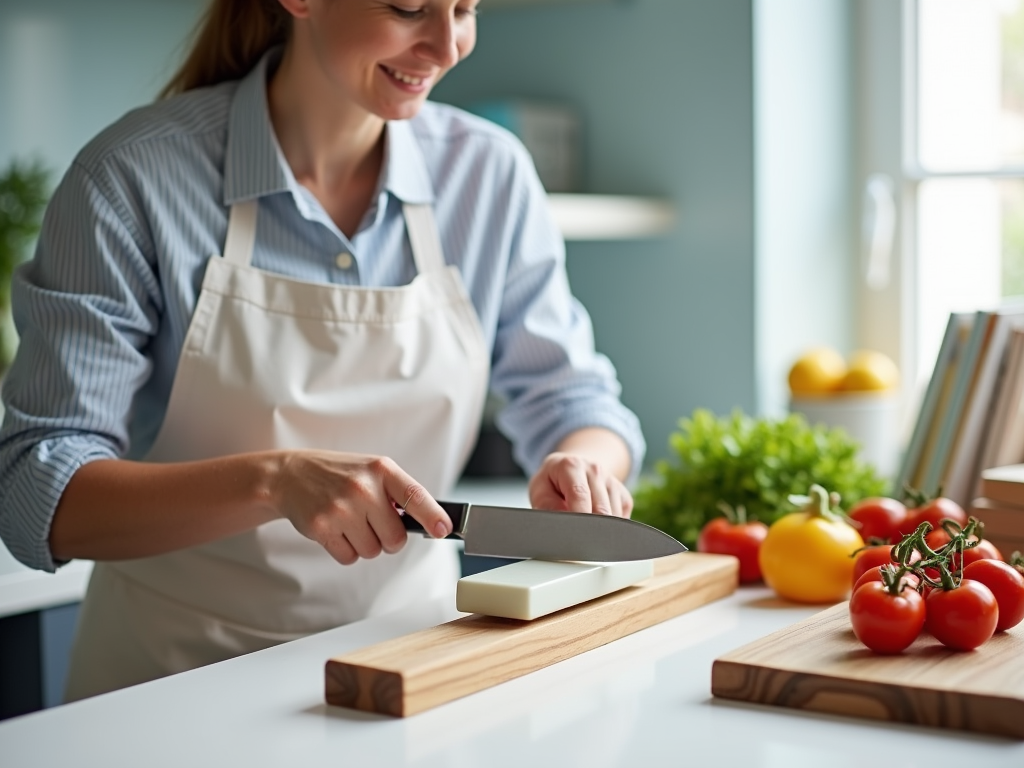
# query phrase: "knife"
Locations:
[[538, 534]]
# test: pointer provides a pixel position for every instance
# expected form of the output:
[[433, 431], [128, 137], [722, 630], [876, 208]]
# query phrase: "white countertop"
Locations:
[[23, 590], [640, 701]]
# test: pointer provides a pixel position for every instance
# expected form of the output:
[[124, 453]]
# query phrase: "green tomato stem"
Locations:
[[892, 578], [817, 504]]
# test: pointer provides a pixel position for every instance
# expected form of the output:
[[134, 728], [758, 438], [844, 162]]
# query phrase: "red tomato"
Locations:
[[875, 574], [878, 518], [985, 550], [933, 574], [1006, 584], [869, 557], [962, 618], [741, 540], [884, 622], [934, 512], [937, 538]]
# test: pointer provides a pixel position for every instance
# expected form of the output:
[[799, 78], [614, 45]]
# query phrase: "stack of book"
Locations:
[[972, 414], [1001, 507]]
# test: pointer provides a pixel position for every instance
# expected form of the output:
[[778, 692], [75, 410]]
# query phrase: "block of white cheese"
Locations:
[[532, 588]]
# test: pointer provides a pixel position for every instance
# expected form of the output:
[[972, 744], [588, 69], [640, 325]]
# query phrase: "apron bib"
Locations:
[[270, 362]]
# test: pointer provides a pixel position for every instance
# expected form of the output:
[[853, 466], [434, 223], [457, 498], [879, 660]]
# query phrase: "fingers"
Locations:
[[347, 503], [342, 551], [572, 483], [571, 480], [622, 500], [414, 499]]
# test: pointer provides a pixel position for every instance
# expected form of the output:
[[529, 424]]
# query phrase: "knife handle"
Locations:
[[456, 511]]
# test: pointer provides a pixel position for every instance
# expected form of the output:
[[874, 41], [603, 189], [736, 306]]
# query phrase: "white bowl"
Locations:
[[870, 418]]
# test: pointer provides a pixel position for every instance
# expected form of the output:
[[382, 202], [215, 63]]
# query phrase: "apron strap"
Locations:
[[241, 232], [423, 237]]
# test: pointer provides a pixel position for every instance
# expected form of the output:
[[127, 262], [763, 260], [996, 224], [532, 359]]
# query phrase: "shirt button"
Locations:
[[343, 260]]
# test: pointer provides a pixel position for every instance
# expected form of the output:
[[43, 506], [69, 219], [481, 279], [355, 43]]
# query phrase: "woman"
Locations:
[[220, 432]]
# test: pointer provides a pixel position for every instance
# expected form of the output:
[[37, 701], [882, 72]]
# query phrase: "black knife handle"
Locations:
[[456, 511]]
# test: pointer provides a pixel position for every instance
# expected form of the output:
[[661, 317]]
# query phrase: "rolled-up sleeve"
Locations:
[[545, 365], [85, 309]]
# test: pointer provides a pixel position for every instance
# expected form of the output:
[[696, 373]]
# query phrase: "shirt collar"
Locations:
[[254, 165], [405, 170]]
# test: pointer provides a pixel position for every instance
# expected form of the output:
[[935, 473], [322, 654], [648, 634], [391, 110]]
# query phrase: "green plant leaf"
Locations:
[[24, 191], [755, 463]]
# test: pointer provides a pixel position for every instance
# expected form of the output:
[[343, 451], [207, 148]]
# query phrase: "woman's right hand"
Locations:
[[348, 503]]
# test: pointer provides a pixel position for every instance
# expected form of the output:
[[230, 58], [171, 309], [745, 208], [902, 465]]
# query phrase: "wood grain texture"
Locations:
[[819, 665], [410, 674]]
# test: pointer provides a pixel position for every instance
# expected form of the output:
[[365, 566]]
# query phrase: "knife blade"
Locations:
[[538, 534]]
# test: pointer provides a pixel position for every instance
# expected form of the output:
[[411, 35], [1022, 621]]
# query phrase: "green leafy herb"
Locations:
[[751, 462], [23, 196]]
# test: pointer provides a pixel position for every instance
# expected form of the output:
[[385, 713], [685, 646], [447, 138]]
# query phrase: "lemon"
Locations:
[[818, 371], [870, 371]]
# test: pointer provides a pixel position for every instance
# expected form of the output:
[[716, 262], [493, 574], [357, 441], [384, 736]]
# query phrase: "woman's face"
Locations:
[[384, 55]]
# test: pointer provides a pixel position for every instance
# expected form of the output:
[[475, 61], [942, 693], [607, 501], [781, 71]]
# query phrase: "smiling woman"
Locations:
[[224, 433]]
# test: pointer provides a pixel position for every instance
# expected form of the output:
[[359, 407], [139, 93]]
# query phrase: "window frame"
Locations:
[[887, 96]]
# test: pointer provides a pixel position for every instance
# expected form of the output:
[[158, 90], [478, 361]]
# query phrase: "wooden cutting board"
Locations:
[[409, 674], [819, 665]]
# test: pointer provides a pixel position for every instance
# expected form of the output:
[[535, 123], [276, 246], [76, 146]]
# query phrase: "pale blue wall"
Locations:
[[666, 91], [68, 68], [705, 317]]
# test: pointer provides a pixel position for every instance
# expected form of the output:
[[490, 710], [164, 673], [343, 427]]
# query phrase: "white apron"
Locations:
[[272, 362]]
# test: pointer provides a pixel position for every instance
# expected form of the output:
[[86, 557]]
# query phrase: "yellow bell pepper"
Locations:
[[807, 555]]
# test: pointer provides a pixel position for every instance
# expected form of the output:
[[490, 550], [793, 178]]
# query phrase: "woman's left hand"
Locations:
[[574, 483]]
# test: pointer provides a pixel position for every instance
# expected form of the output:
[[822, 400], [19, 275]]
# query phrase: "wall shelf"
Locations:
[[611, 217]]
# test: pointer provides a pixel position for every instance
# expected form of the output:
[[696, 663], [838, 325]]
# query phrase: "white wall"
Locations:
[[805, 239]]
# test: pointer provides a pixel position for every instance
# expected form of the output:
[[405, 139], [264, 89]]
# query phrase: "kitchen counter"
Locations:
[[643, 700]]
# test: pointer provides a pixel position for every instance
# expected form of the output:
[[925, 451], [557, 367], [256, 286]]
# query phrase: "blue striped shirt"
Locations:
[[103, 307]]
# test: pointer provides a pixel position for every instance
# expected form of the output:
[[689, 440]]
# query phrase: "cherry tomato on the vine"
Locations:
[[741, 540], [1007, 586], [869, 557], [985, 550], [875, 574], [982, 550], [934, 511], [884, 622], [936, 538], [878, 517], [964, 617]]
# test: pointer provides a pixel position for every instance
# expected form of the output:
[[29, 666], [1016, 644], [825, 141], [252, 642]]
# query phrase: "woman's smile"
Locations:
[[407, 80]]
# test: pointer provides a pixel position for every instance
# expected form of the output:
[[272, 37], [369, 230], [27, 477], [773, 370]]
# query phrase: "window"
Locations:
[[941, 89], [967, 157]]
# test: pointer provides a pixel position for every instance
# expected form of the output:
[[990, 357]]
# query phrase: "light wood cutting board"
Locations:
[[409, 674], [819, 665]]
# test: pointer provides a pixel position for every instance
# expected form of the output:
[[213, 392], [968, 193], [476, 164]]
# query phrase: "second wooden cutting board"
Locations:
[[819, 665]]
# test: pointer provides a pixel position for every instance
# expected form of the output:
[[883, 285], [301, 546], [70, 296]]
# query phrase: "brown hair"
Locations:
[[228, 41]]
